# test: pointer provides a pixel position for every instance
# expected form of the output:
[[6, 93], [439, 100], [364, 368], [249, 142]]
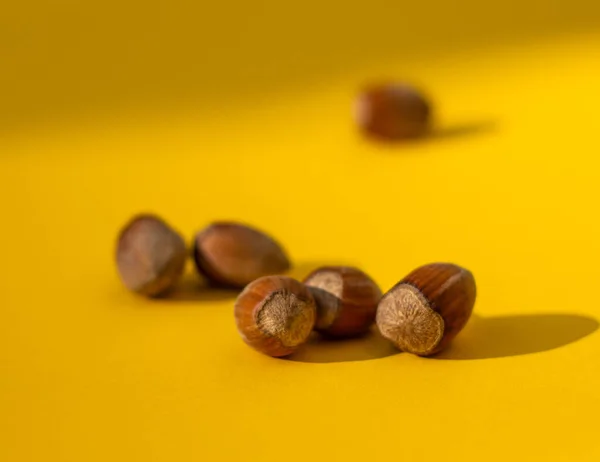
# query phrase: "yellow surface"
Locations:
[[509, 189]]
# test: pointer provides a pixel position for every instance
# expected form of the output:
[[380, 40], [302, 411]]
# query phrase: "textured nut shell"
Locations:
[[234, 255], [406, 319], [280, 329], [447, 290], [150, 255], [346, 299], [393, 112]]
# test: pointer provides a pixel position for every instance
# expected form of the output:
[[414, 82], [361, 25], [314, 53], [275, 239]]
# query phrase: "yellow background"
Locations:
[[241, 110]]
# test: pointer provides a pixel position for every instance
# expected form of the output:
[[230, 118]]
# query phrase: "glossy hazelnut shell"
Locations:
[[448, 290], [233, 255], [253, 327], [353, 299]]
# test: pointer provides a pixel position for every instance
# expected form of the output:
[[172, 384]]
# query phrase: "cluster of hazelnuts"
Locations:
[[275, 314]]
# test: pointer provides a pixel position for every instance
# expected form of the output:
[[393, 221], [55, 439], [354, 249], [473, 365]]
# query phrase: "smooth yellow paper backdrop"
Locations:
[[258, 128]]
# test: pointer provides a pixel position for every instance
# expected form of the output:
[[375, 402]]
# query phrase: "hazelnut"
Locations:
[[393, 111], [346, 300], [428, 308], [150, 255], [232, 254], [275, 315]]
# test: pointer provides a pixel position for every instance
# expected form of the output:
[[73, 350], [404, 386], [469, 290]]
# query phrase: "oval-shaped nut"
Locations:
[[428, 308], [275, 315], [234, 255], [393, 111], [150, 255], [346, 300]]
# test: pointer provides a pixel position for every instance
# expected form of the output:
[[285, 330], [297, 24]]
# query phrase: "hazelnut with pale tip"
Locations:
[[346, 300], [427, 309], [275, 315]]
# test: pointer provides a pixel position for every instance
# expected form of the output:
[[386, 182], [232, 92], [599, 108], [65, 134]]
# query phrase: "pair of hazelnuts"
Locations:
[[151, 255], [420, 315], [275, 314]]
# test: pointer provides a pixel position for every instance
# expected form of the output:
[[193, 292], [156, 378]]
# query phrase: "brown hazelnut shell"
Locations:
[[150, 255], [425, 311], [231, 254], [393, 111], [275, 315], [346, 298]]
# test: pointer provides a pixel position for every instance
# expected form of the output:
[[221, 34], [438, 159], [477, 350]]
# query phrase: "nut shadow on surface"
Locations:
[[465, 129], [441, 133], [192, 288], [320, 349], [505, 336]]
